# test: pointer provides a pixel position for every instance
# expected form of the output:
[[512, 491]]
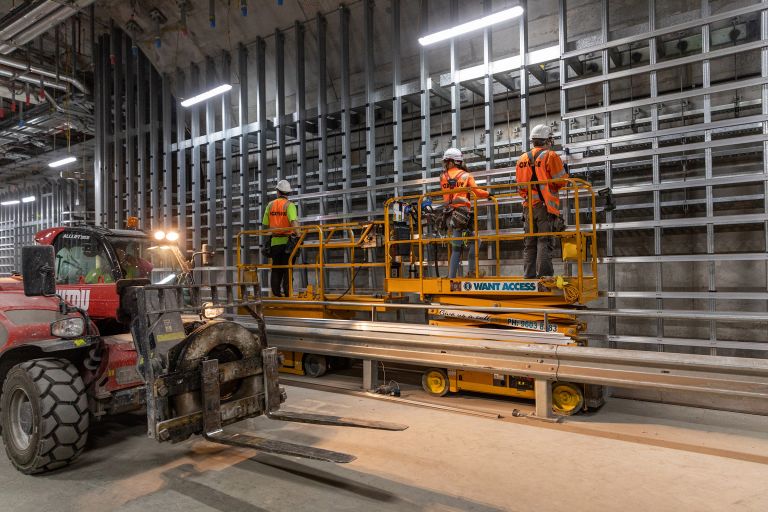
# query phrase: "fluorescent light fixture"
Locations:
[[63, 161], [207, 94], [10, 203], [28, 199], [471, 26]]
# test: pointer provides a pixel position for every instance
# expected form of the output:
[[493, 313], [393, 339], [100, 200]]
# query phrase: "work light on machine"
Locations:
[[169, 236]]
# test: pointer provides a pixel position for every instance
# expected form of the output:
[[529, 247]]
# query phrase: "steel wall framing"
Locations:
[[688, 163], [57, 202]]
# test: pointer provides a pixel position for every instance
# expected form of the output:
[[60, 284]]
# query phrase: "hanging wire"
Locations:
[[509, 128]]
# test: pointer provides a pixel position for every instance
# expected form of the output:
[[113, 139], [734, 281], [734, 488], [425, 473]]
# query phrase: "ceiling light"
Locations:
[[63, 161], [10, 203], [207, 94], [471, 26], [28, 199]]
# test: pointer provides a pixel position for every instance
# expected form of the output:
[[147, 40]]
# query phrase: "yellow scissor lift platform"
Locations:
[[404, 239]]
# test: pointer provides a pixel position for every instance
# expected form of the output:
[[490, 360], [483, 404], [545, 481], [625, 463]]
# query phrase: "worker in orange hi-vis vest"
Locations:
[[540, 164], [282, 215], [456, 175]]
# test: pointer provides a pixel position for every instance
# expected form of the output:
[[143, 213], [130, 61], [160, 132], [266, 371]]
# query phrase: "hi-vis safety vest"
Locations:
[[544, 192], [278, 216], [461, 180]]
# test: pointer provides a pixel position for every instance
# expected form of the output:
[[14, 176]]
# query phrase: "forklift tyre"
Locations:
[[44, 415], [314, 365], [435, 382]]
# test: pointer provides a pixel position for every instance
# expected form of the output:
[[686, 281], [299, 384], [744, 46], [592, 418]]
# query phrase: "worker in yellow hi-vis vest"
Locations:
[[281, 215]]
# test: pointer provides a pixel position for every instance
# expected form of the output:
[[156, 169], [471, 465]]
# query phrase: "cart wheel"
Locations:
[[567, 398], [435, 382], [315, 365], [44, 415]]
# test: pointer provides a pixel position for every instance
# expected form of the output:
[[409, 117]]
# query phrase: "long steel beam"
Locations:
[[728, 376]]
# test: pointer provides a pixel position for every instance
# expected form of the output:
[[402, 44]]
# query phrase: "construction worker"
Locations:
[[537, 251], [456, 175], [281, 214]]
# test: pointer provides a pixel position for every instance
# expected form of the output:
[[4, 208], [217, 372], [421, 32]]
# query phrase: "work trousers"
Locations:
[[537, 250], [279, 276], [456, 245]]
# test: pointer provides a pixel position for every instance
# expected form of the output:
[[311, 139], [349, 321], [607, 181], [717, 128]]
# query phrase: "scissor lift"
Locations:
[[410, 242]]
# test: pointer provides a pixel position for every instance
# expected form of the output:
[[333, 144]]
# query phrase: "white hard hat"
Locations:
[[284, 187], [453, 154], [541, 131]]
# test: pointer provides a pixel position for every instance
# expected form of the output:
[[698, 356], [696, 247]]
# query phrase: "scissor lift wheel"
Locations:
[[567, 398], [435, 382]]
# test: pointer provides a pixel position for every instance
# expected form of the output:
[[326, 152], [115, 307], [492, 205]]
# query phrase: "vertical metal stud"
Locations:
[[98, 136], [181, 162], [346, 111], [280, 102], [154, 152], [226, 198], [131, 128], [524, 128], [301, 107], [655, 169], [210, 128], [707, 107], [370, 107], [108, 184], [197, 235], [140, 129], [245, 175], [117, 129], [261, 113], [397, 99], [455, 85], [425, 84], [488, 107], [167, 154], [322, 111]]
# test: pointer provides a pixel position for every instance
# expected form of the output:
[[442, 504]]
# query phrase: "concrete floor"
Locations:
[[629, 456]]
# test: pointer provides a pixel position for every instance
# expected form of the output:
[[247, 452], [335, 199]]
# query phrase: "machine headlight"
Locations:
[[68, 328], [172, 236], [159, 235], [210, 312]]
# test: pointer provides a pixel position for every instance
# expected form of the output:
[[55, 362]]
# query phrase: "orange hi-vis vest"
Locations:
[[461, 179], [278, 216], [546, 192]]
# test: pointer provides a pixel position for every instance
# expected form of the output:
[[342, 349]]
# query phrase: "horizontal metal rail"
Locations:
[[724, 316], [431, 347]]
